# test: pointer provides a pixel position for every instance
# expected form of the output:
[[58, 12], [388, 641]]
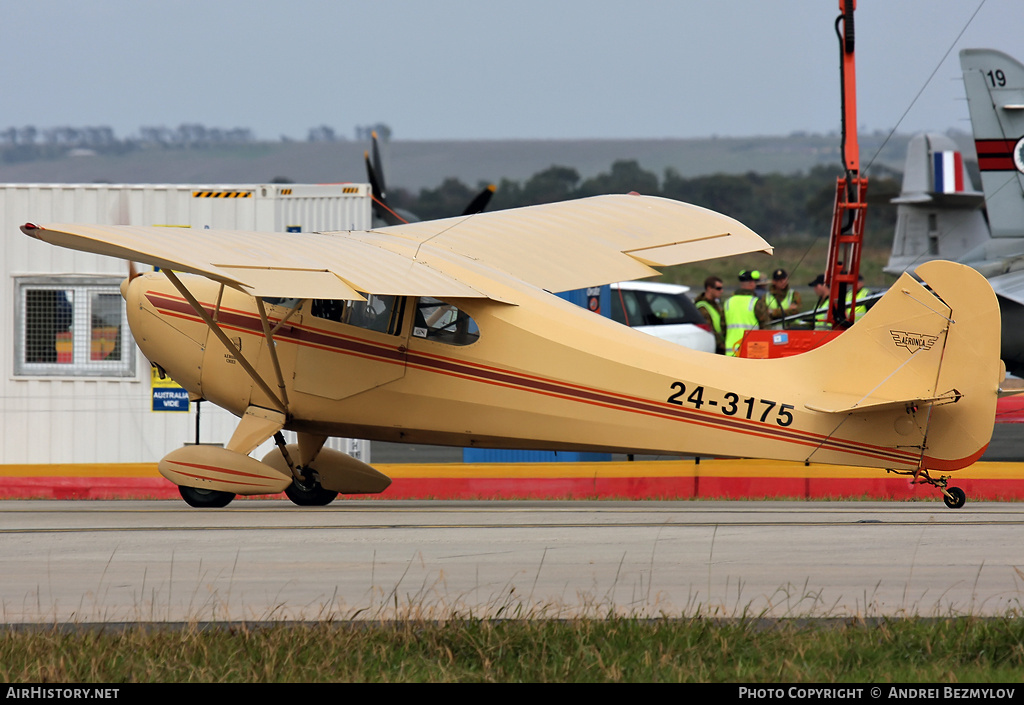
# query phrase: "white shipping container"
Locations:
[[78, 410]]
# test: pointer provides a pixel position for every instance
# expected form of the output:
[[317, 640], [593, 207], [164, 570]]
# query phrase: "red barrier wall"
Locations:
[[683, 479]]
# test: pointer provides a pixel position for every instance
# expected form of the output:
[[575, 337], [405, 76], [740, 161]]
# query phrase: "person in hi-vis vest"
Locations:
[[744, 311], [781, 299], [709, 304]]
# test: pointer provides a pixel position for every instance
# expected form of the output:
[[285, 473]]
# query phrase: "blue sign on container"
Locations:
[[170, 399]]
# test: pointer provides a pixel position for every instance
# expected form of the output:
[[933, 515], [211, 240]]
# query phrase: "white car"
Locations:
[[662, 310]]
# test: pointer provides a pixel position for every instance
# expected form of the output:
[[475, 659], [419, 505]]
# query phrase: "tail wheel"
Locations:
[[205, 499], [309, 493], [954, 497]]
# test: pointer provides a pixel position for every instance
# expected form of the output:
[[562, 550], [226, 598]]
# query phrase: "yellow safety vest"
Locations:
[[739, 318], [716, 317], [860, 309], [821, 316], [784, 304]]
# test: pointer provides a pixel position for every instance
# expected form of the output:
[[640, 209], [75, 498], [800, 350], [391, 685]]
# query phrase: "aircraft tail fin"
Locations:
[[938, 212], [930, 348], [994, 83]]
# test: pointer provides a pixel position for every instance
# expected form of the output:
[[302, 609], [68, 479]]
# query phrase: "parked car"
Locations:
[[662, 310]]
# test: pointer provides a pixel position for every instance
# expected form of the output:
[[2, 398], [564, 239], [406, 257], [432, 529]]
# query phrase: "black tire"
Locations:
[[205, 499], [955, 499], [309, 493]]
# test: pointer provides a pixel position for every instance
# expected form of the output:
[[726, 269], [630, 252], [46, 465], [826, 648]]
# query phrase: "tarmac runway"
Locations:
[[259, 560]]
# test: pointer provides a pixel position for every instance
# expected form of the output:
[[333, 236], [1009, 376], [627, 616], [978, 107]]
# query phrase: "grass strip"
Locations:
[[618, 649]]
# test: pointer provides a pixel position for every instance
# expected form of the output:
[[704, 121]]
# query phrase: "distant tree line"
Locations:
[[28, 143], [364, 133], [194, 135], [776, 206]]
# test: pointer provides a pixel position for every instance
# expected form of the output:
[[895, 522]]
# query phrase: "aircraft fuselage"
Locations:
[[543, 374]]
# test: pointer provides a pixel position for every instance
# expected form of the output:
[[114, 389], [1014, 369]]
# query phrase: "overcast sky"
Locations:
[[482, 69]]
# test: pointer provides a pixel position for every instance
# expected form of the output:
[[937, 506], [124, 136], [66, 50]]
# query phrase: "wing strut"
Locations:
[[272, 348], [222, 336]]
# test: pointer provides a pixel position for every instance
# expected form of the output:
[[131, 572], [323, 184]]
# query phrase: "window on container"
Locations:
[[444, 323], [69, 327]]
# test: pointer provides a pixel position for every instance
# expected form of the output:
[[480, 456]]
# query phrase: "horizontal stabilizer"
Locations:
[[848, 403], [960, 199]]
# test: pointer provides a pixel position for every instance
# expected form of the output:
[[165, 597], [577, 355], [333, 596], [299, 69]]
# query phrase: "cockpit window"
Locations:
[[378, 313], [444, 323]]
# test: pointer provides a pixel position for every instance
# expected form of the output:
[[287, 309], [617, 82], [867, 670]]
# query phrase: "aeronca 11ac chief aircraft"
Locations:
[[446, 332]]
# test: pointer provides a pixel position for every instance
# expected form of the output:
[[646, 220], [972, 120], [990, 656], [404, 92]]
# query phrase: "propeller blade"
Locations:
[[371, 176], [378, 166], [381, 209], [480, 201]]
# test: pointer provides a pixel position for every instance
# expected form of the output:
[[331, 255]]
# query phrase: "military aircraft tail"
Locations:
[[994, 83], [937, 211], [938, 214]]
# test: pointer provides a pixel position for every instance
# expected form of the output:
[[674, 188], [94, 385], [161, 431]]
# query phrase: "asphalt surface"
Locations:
[[258, 560]]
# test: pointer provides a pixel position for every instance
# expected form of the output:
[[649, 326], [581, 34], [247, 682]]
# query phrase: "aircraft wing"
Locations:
[[302, 265], [558, 247], [589, 241], [1009, 285]]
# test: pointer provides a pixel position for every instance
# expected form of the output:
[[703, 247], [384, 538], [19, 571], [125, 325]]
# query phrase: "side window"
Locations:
[[443, 323], [282, 302], [378, 313], [673, 308], [664, 309], [71, 327]]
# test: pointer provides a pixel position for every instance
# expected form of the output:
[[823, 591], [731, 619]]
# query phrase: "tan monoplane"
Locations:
[[445, 332]]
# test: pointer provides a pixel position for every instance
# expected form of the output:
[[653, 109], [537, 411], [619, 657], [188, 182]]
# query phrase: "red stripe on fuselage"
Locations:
[[622, 402], [243, 321]]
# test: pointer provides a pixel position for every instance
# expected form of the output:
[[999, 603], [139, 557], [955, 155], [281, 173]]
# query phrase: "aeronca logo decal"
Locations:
[[913, 341]]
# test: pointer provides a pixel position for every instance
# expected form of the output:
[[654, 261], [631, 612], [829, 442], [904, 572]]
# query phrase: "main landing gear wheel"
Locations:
[[309, 493], [954, 498], [205, 499]]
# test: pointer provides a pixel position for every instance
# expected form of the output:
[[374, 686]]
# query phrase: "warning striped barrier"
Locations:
[[222, 194]]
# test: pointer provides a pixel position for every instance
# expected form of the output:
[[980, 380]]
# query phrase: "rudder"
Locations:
[[994, 83], [930, 348]]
